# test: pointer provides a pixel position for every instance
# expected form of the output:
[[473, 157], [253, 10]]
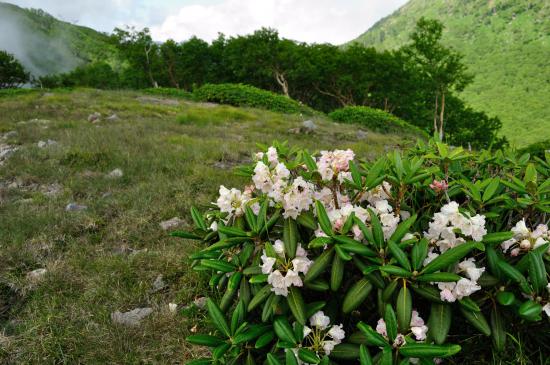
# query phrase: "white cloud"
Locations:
[[303, 20]]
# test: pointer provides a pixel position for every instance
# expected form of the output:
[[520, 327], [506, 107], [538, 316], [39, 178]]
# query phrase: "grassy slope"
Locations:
[[507, 46], [47, 45], [168, 165]]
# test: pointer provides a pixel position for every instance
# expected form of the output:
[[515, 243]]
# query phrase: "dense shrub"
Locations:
[[539, 149], [394, 261], [244, 95], [374, 119], [99, 75], [12, 73]]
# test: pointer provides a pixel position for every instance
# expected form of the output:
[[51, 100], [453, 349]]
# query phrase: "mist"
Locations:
[[39, 46]]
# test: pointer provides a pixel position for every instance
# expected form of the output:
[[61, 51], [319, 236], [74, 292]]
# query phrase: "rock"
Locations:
[[200, 302], [9, 134], [294, 130], [106, 195], [361, 134], [36, 275], [171, 223], [172, 307], [112, 118], [115, 174], [73, 207], [6, 151], [158, 284], [94, 117], [308, 126], [51, 189], [131, 318], [49, 142]]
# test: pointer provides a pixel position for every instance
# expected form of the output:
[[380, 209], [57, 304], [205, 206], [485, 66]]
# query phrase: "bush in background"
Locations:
[[244, 95], [374, 119], [12, 73], [326, 259]]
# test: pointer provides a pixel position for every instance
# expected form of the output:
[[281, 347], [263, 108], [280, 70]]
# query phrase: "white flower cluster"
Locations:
[[546, 307], [445, 224], [283, 272], [233, 201], [322, 335], [451, 291], [335, 164], [418, 329], [524, 239], [295, 196]]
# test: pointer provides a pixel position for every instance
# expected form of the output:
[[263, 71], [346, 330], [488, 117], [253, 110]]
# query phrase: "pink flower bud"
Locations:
[[439, 186]]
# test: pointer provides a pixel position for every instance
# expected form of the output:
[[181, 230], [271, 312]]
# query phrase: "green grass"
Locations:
[[172, 156], [506, 44]]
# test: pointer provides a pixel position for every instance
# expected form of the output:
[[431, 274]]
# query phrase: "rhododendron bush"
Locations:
[[326, 258]]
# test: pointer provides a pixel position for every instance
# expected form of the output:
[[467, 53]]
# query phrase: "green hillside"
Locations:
[[47, 45], [506, 44]]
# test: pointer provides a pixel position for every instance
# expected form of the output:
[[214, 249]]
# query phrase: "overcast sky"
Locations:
[[334, 21]]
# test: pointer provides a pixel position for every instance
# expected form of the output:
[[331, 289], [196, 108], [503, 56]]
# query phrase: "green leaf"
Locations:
[[227, 243], [439, 322], [186, 235], [428, 292], [497, 237], [232, 231], [218, 265], [238, 316], [345, 351], [387, 356], [219, 351], [377, 231], [290, 358], [272, 360], [265, 339], [514, 274], [419, 253], [312, 308], [336, 273], [498, 330], [269, 306], [439, 277], [391, 322], [491, 189], [283, 330], [319, 265], [250, 334], [217, 317], [318, 242], [250, 218], [469, 304], [356, 295], [389, 290], [477, 320], [402, 229], [450, 257], [290, 237], [322, 216], [197, 219], [296, 304], [200, 362], [351, 245], [308, 356], [530, 310], [259, 298], [427, 350], [342, 253], [307, 220], [364, 356], [372, 337], [537, 272], [505, 298], [404, 309], [395, 270], [317, 285], [399, 255], [204, 340], [262, 215]]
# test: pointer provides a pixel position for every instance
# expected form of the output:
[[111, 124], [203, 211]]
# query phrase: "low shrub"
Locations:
[[538, 149], [221, 114], [16, 92], [330, 259], [245, 95], [374, 119]]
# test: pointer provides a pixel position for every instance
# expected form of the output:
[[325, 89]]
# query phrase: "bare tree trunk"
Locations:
[[150, 73], [441, 115], [281, 80], [435, 111]]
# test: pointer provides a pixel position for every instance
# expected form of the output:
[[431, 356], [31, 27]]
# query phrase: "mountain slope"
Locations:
[[506, 44], [47, 45]]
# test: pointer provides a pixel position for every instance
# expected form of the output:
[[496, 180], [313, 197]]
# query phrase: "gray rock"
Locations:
[[131, 318], [171, 223], [9, 134], [73, 207], [51, 189], [44, 144], [308, 126], [362, 134], [6, 151], [112, 118], [158, 284], [115, 174], [94, 117], [36, 275]]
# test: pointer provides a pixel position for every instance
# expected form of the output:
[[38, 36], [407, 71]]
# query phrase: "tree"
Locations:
[[12, 73], [441, 68]]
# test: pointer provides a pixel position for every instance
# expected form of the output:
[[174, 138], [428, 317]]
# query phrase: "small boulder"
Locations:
[[131, 318], [73, 207], [158, 284], [36, 275], [172, 307], [94, 117], [115, 174], [362, 134], [308, 126], [9, 134], [44, 144], [112, 118], [171, 223]]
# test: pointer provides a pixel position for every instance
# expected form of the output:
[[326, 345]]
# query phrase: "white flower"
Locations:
[[307, 331], [520, 230], [298, 198], [381, 327], [468, 266], [546, 309], [399, 340], [279, 248], [214, 226], [334, 162], [267, 263], [292, 278], [272, 156], [328, 346], [465, 287], [301, 264], [262, 177], [418, 328], [278, 283], [431, 256], [450, 208], [337, 333], [319, 320]]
